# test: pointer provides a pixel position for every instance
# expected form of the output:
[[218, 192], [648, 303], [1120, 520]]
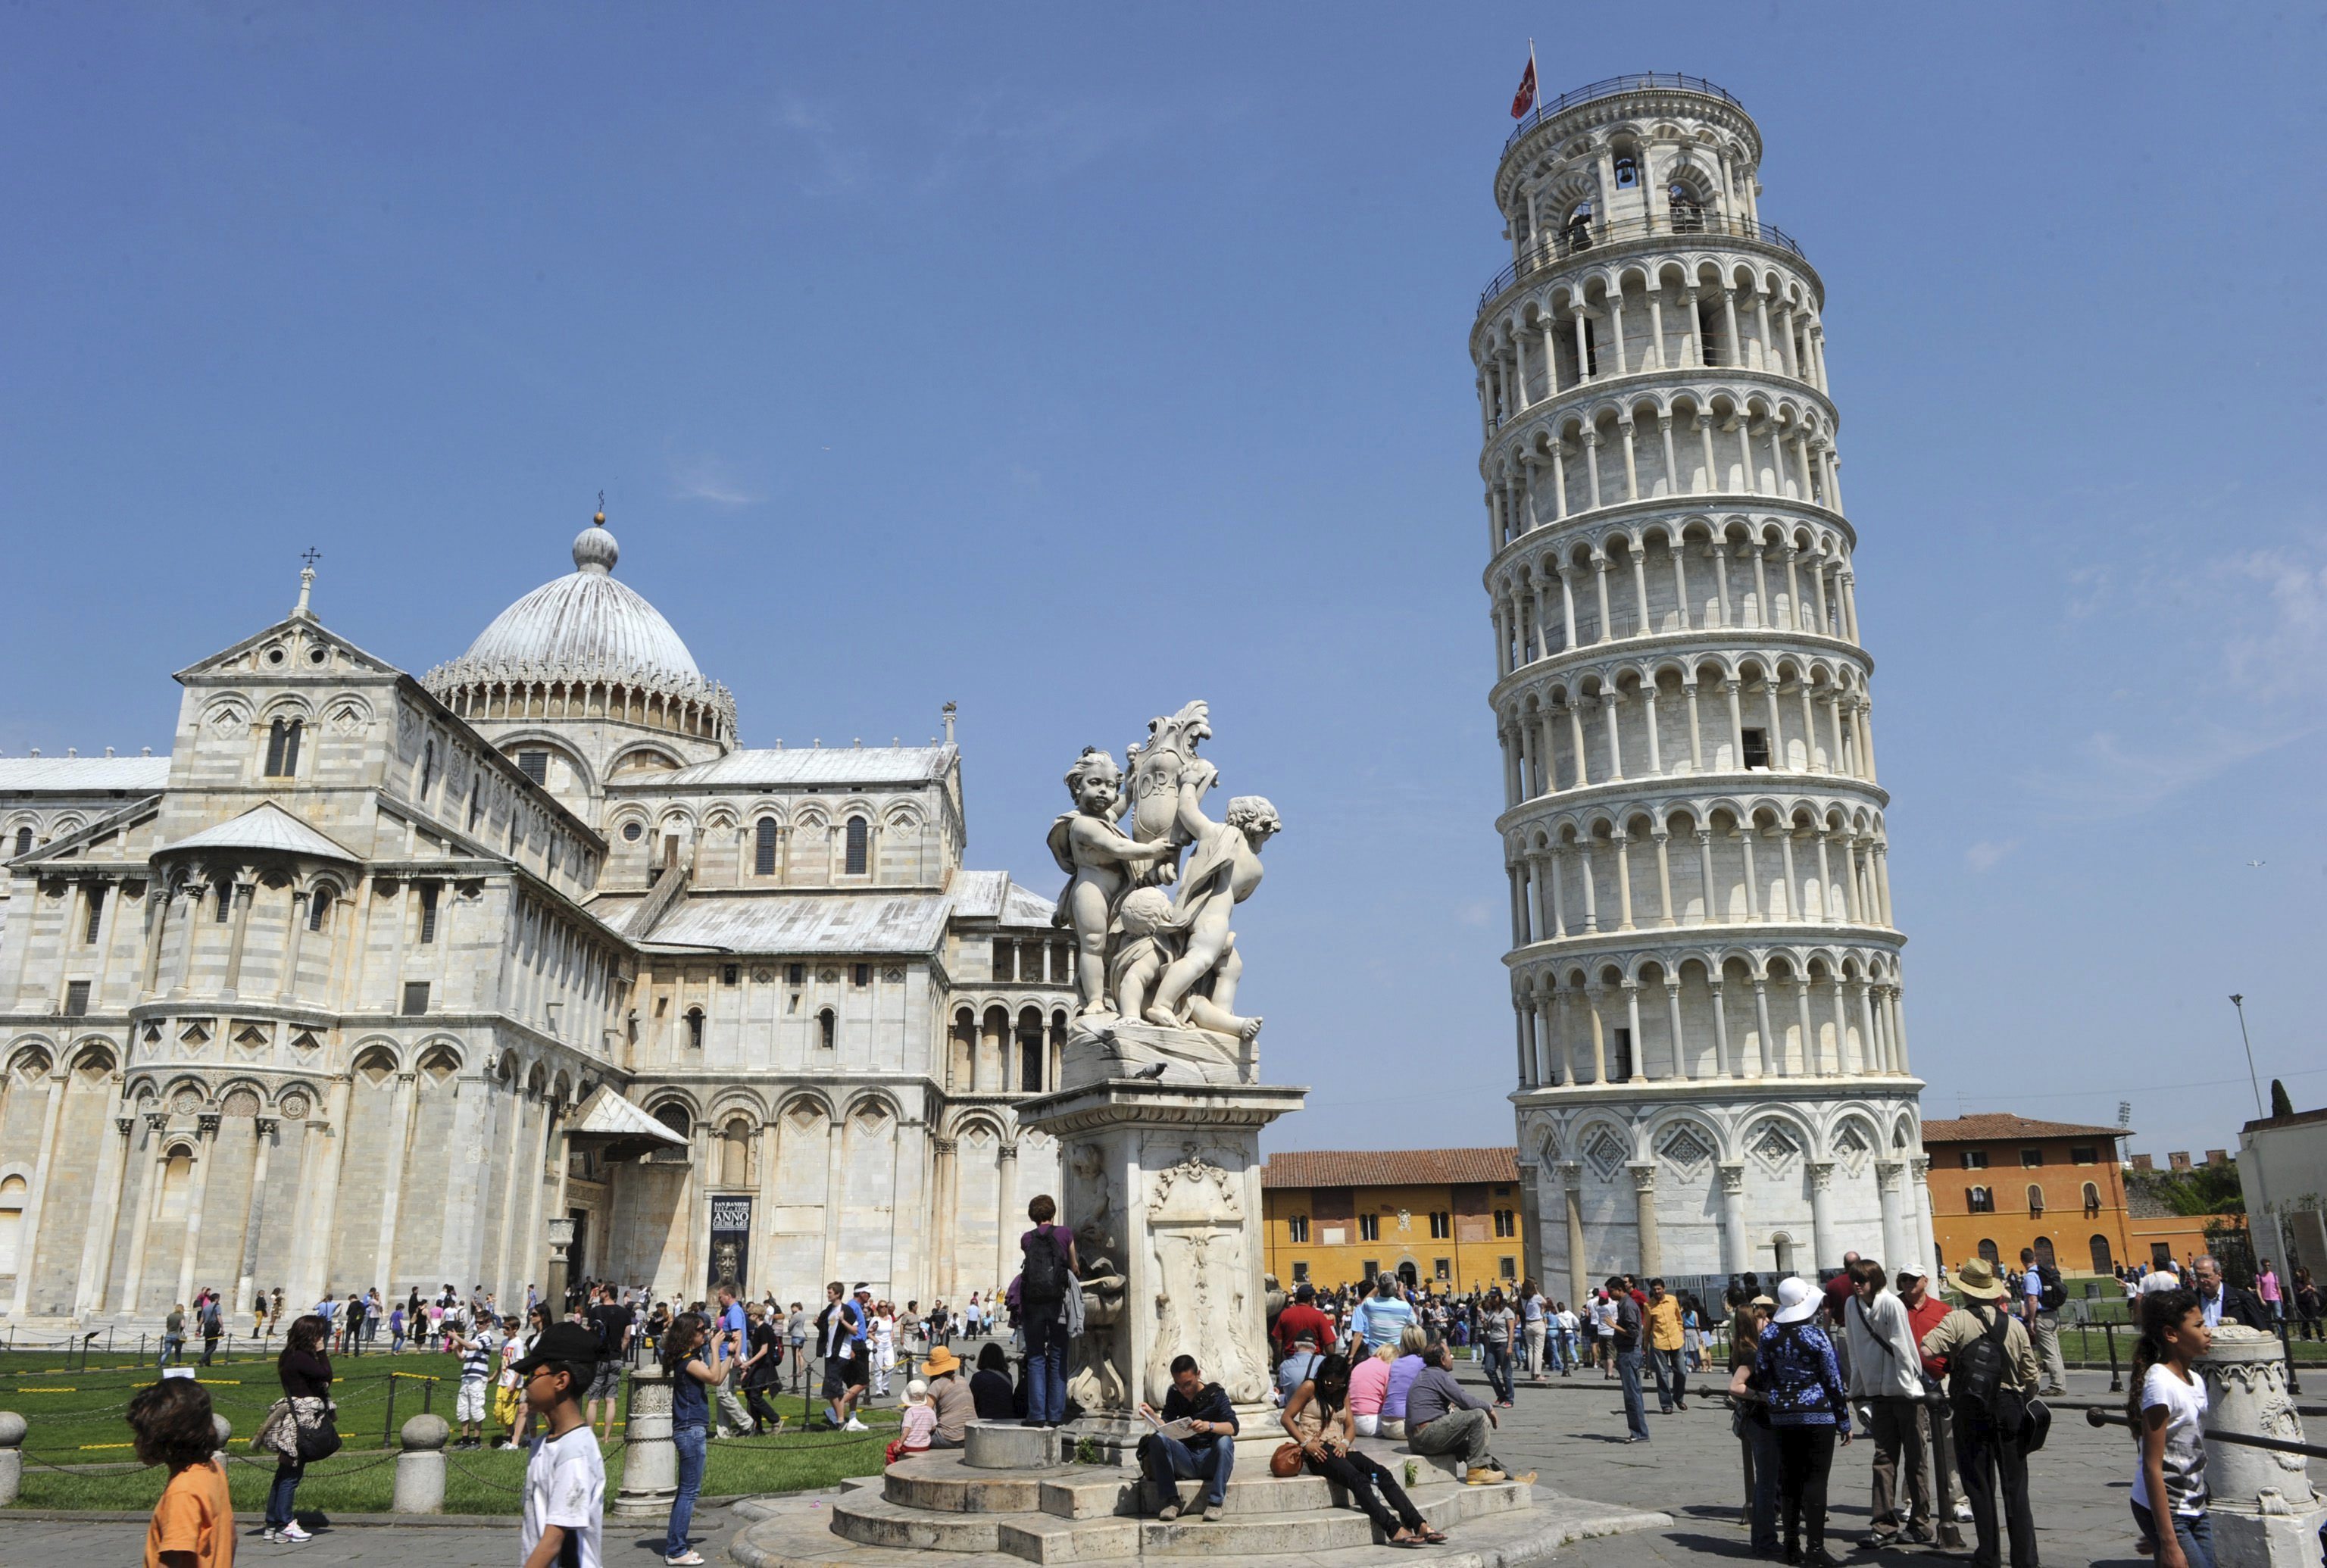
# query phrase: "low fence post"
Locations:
[[387, 1427], [11, 1455], [2116, 1379], [2287, 1349], [420, 1468]]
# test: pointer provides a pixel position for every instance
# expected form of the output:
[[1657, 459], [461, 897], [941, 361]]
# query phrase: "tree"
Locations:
[[2280, 1105]]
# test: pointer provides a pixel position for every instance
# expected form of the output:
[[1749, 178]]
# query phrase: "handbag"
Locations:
[[1285, 1461], [2036, 1425], [320, 1441]]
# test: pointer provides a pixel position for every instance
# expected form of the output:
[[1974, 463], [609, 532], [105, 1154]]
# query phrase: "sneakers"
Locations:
[[1963, 1511], [686, 1559], [854, 1426], [1211, 1513], [1169, 1511], [1484, 1476], [293, 1534]]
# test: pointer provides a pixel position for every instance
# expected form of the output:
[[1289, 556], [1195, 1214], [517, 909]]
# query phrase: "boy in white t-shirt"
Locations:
[[564, 1476]]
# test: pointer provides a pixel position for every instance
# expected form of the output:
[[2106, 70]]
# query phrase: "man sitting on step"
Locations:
[[1440, 1418], [1207, 1453]]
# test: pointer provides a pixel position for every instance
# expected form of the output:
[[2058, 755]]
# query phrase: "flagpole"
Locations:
[[1538, 77]]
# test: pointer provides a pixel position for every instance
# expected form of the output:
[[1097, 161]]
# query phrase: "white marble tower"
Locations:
[[1712, 1064]]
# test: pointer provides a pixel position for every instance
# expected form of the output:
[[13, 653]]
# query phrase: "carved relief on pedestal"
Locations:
[[1205, 1304], [1097, 1380]]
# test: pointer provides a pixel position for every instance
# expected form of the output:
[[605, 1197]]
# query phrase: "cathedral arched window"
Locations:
[[859, 840], [427, 770], [2035, 1198], [23, 841], [283, 749], [319, 909], [695, 1027], [828, 1028], [222, 902], [763, 848], [674, 1118]]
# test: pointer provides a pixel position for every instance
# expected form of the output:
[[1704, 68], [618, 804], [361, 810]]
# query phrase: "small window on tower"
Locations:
[[731, 973], [860, 974], [427, 915], [319, 909], [1628, 170], [1757, 749], [1005, 958], [763, 848], [859, 839], [1620, 1060], [534, 765], [695, 1028], [96, 917], [23, 841], [415, 998], [283, 749], [77, 999], [795, 974], [828, 1028]]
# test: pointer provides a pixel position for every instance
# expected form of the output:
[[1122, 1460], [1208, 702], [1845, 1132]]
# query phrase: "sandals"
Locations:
[[1435, 1537], [1411, 1542]]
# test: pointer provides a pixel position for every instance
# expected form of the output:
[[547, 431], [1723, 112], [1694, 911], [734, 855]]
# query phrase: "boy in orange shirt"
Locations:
[[193, 1523]]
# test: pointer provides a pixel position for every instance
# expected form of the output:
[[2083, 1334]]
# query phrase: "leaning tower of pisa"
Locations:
[[1711, 1062]]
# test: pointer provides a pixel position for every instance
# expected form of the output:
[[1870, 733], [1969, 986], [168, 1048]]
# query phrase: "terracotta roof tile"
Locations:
[[1389, 1167], [2001, 1126]]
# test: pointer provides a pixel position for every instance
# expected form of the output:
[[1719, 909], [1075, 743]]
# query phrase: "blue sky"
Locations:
[[1070, 362]]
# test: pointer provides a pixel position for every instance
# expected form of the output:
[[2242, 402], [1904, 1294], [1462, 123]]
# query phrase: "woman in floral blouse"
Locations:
[[1802, 1386]]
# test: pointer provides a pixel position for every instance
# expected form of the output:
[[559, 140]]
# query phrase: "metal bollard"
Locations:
[[2116, 1379], [420, 1468], [389, 1427], [11, 1456], [2287, 1349]]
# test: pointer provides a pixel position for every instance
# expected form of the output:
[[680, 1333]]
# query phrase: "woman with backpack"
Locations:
[[1046, 1275], [1802, 1388], [1991, 1378]]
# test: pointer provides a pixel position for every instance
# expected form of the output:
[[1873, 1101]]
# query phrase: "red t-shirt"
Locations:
[[1299, 1316], [1838, 1296], [1923, 1320]]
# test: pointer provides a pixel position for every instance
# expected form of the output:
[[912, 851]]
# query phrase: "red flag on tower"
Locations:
[[1524, 100]]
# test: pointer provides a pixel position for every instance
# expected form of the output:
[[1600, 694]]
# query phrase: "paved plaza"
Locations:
[[1570, 1432]]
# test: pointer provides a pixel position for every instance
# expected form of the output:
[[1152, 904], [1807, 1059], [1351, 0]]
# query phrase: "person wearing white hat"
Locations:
[[1802, 1384]]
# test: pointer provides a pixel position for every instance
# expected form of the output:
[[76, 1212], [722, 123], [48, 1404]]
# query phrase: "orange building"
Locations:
[[1448, 1217], [2001, 1182]]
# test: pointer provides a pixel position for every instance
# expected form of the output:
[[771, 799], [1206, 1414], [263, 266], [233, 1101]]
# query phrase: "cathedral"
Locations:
[[516, 971]]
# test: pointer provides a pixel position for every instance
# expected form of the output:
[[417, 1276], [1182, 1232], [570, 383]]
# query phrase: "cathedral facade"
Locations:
[[520, 970]]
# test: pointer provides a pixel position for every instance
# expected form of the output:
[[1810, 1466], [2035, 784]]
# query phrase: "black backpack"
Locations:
[[1044, 1278], [2052, 1295], [1977, 1374]]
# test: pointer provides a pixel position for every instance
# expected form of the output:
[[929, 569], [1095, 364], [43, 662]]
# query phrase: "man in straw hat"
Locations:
[[1992, 1432]]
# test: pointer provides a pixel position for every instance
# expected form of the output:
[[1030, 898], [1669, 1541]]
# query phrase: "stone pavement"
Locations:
[[1570, 1430]]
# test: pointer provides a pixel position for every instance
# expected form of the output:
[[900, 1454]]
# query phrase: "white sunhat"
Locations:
[[1797, 1301]]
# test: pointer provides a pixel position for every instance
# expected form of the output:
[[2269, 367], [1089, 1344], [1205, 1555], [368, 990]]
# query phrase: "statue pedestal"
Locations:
[[1161, 1188]]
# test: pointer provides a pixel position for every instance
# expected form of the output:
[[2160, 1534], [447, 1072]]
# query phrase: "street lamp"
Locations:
[[2277, 1235]]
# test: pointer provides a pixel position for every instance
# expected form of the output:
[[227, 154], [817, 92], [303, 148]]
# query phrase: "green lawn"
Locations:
[[75, 1419]]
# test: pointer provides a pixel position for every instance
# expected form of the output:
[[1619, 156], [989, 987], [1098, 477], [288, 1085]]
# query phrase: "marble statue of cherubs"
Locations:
[[1221, 872], [1096, 855]]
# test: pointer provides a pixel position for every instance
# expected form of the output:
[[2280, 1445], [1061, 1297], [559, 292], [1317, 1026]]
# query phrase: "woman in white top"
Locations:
[[885, 1347]]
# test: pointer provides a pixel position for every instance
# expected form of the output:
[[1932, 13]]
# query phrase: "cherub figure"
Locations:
[[1097, 857], [1220, 874]]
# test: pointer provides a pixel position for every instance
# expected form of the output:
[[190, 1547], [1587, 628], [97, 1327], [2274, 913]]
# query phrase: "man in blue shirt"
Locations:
[[734, 1335], [1381, 1317]]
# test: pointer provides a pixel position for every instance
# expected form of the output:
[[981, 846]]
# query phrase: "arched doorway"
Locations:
[[2043, 1250], [1405, 1272], [1987, 1250], [2104, 1261]]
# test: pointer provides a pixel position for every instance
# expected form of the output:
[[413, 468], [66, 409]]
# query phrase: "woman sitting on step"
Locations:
[[1318, 1418]]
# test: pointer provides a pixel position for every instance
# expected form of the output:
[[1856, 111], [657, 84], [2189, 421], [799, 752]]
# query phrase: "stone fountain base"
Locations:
[[940, 1510]]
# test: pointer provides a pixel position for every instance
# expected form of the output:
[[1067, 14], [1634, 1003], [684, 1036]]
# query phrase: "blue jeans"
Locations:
[[286, 1485], [691, 1442], [1562, 1342], [1167, 1459], [170, 1345], [1046, 1367], [1672, 1378], [2194, 1532], [1628, 1373], [1498, 1360]]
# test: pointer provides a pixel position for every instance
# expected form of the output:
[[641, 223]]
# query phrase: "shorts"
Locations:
[[471, 1403], [607, 1383], [505, 1406], [840, 1377]]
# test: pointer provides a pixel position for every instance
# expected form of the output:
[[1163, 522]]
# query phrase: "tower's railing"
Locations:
[[1639, 81], [1576, 238]]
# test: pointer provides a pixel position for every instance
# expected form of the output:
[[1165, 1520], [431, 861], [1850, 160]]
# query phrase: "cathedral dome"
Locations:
[[585, 646], [583, 623]]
